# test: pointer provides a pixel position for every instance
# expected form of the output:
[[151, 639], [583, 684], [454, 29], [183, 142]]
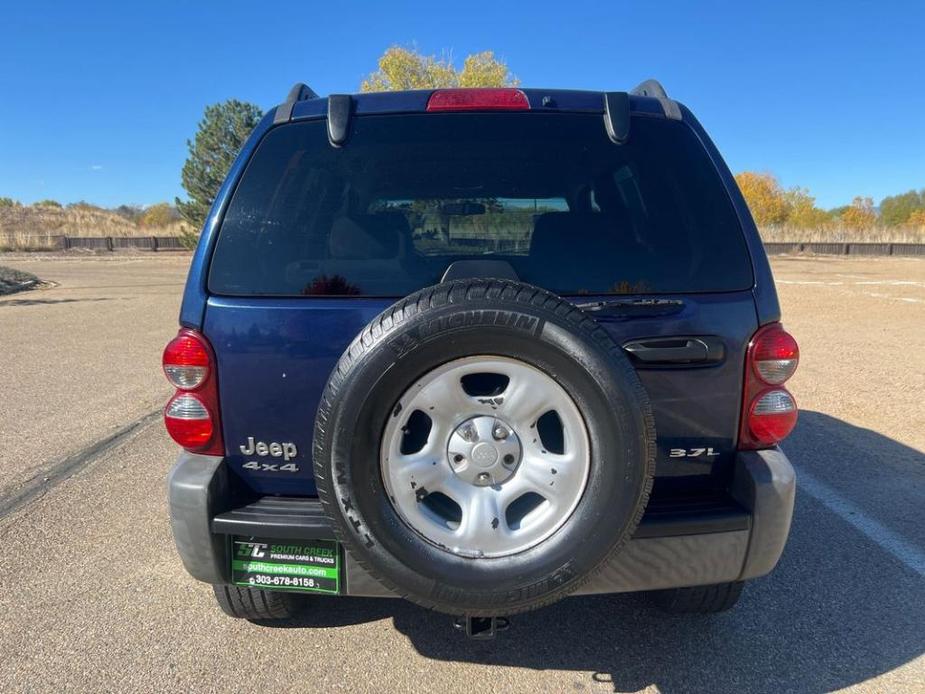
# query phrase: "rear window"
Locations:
[[409, 195]]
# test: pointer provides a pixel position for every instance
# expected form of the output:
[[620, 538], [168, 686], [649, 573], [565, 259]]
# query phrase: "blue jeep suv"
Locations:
[[481, 349]]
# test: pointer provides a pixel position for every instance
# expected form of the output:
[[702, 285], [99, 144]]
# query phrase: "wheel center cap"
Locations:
[[484, 454], [484, 451]]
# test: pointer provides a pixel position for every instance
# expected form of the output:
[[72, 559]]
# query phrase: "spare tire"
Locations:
[[442, 468]]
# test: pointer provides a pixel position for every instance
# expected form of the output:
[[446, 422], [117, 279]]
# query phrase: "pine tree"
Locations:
[[222, 131]]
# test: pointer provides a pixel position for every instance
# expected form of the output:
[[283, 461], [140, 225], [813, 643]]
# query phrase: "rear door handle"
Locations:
[[676, 350]]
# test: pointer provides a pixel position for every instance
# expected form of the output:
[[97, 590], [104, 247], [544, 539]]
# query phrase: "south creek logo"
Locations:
[[251, 550]]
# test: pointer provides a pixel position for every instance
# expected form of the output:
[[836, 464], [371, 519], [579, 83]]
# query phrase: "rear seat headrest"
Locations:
[[554, 232], [367, 237], [585, 238]]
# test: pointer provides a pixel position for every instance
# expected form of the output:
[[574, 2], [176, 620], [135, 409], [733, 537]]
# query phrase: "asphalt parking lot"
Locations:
[[93, 597]]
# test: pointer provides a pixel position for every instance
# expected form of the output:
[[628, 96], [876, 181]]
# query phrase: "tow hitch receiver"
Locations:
[[481, 628]]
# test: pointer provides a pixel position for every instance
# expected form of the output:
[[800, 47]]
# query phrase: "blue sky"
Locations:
[[97, 101]]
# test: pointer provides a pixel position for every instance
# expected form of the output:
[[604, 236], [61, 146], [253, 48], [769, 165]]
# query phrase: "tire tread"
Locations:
[[708, 599], [252, 604], [473, 289]]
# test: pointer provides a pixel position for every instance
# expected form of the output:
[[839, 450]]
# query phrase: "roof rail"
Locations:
[[299, 92], [655, 89]]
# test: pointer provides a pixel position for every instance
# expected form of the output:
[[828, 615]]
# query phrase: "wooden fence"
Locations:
[[58, 242], [903, 249], [115, 243], [173, 243]]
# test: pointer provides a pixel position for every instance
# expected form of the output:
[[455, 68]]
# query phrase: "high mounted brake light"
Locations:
[[769, 411], [500, 99], [192, 416]]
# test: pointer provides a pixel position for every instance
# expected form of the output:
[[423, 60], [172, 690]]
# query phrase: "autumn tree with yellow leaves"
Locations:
[[860, 214], [917, 219], [802, 211], [404, 68], [768, 202]]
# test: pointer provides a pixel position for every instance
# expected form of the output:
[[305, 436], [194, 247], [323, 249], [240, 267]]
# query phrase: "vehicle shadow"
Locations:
[[837, 611]]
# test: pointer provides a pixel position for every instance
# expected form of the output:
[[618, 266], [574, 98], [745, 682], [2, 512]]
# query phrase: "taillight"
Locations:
[[188, 421], [480, 99], [772, 416], [776, 355], [769, 411], [186, 361], [192, 414]]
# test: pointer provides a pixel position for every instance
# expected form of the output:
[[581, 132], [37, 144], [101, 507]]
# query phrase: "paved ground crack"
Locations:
[[51, 475]]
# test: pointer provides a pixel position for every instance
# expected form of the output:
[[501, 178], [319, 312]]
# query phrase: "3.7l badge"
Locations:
[[708, 452]]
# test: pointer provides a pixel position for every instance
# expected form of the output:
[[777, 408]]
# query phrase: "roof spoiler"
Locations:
[[299, 92], [655, 89], [339, 106], [616, 109]]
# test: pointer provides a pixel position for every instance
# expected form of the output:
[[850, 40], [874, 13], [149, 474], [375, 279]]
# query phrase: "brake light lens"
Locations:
[[776, 355], [482, 99], [188, 421], [773, 416], [769, 412], [192, 414], [186, 361]]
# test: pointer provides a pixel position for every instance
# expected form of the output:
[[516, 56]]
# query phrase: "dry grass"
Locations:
[[17, 241], [28, 228], [835, 234]]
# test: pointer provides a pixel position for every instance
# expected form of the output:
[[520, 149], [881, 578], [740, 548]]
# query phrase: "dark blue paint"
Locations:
[[195, 294], [275, 355], [766, 303]]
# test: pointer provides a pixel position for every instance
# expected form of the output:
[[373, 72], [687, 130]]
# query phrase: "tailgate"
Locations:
[[275, 355]]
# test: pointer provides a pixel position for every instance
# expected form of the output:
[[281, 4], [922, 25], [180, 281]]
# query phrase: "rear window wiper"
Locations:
[[632, 307]]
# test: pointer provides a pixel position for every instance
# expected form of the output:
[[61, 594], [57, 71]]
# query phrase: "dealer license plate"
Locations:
[[311, 566]]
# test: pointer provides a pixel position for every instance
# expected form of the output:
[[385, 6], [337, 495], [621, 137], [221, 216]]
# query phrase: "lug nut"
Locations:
[[500, 433], [484, 477], [509, 459], [468, 433], [457, 458]]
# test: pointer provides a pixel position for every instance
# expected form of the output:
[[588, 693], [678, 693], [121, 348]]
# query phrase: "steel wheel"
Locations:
[[485, 456]]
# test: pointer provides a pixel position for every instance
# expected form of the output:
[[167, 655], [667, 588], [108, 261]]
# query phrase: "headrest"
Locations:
[[557, 230], [595, 236], [366, 237]]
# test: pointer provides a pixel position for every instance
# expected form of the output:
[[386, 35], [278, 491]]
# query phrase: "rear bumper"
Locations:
[[676, 544]]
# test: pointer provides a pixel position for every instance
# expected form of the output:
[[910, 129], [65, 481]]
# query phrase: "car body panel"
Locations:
[[275, 354]]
